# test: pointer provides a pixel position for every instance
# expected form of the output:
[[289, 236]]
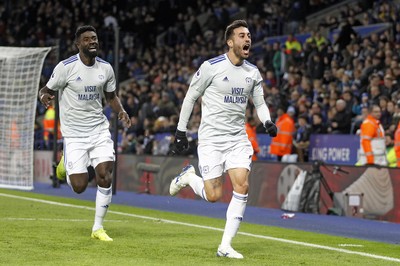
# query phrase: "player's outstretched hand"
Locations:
[[271, 129], [46, 98], [181, 142], [124, 117]]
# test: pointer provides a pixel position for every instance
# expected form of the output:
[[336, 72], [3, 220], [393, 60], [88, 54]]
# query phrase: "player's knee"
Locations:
[[213, 195], [79, 188], [242, 188], [79, 182], [104, 175], [104, 181]]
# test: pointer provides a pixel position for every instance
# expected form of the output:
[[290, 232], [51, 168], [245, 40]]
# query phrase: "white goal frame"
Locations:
[[20, 71]]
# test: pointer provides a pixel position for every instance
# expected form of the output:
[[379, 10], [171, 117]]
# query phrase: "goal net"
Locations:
[[20, 70]]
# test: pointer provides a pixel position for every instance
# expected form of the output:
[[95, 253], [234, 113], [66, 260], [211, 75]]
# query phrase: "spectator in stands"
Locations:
[[375, 94], [49, 126], [269, 53], [301, 139], [358, 120], [282, 144], [389, 86], [372, 139], [142, 61], [397, 144], [150, 108], [128, 143], [194, 28], [317, 125], [293, 50], [279, 61], [275, 98], [315, 66], [165, 106], [346, 35], [386, 117], [396, 114], [316, 108], [295, 15], [131, 105], [347, 96], [390, 151], [270, 80], [341, 121]]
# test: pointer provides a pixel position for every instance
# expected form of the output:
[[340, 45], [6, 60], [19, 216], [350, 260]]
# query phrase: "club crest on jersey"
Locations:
[[248, 80], [101, 77]]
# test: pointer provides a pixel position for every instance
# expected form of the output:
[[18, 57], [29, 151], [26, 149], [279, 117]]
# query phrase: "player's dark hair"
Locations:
[[82, 29], [235, 24]]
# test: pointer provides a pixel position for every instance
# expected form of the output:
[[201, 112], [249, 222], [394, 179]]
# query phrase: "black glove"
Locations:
[[271, 129], [181, 142]]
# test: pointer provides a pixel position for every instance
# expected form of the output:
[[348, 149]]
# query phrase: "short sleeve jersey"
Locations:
[[225, 89], [81, 90]]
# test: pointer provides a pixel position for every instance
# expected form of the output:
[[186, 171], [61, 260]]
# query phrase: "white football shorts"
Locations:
[[79, 153], [215, 159]]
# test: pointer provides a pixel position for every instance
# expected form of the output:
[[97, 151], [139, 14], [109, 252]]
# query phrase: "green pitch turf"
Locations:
[[45, 230]]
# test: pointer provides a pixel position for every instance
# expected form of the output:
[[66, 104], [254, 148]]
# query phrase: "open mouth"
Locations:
[[246, 49]]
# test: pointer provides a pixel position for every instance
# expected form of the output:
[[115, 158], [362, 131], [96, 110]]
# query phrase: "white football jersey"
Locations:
[[80, 93], [225, 90]]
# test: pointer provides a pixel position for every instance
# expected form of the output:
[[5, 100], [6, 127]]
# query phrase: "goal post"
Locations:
[[20, 70]]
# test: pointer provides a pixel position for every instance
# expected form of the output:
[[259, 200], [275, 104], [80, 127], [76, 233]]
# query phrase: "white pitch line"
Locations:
[[55, 220], [364, 254]]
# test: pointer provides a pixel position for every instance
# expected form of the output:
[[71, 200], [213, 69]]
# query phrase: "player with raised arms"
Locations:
[[224, 84], [82, 81]]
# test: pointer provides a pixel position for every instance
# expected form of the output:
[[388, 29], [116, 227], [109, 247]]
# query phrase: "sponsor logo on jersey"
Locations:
[[235, 99], [198, 74]]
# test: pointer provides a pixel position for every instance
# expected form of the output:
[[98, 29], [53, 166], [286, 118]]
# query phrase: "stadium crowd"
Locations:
[[327, 85]]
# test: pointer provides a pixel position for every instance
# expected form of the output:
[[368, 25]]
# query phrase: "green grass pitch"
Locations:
[[45, 230]]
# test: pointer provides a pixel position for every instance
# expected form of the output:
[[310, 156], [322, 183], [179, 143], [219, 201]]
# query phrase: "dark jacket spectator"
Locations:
[[341, 121]]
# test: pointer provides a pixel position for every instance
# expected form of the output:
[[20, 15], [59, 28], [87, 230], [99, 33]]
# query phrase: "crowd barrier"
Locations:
[[270, 183]]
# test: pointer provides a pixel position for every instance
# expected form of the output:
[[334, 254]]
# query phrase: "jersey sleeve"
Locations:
[[258, 89], [58, 78], [262, 109], [200, 81], [258, 99], [111, 84]]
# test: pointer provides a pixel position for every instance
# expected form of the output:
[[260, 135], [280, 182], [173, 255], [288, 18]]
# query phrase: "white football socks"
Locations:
[[103, 199], [197, 184], [234, 216]]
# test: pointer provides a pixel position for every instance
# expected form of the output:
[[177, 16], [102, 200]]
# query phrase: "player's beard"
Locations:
[[90, 54], [238, 51]]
